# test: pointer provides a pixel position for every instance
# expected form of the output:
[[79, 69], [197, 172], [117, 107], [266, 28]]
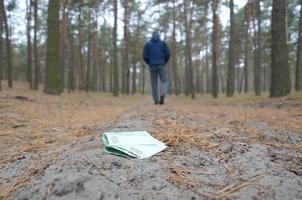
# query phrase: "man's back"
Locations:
[[156, 52]]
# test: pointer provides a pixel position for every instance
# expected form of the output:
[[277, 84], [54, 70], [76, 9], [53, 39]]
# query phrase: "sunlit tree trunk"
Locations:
[[52, 73], [280, 81]]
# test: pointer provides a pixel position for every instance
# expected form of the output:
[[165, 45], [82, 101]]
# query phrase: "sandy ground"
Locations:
[[250, 150]]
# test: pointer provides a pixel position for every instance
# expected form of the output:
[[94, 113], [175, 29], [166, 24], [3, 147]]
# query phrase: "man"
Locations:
[[156, 54]]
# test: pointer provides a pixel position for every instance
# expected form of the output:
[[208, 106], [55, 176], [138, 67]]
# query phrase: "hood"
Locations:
[[155, 37]]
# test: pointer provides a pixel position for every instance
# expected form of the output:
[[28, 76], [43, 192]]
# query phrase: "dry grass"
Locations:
[[41, 123]]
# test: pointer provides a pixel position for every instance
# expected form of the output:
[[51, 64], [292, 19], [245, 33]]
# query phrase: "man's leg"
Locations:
[[154, 80], [164, 83]]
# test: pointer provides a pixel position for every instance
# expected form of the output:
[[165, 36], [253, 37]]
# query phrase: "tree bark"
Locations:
[[29, 43], [1, 45], [70, 54], [80, 54], [208, 79], [52, 73], [280, 81], [298, 82], [231, 64], [36, 57], [8, 47], [174, 60], [115, 61], [126, 70], [257, 56], [246, 49], [188, 25], [215, 48], [88, 71]]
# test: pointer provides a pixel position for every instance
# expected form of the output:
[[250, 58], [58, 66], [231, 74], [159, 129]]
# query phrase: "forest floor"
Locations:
[[239, 148]]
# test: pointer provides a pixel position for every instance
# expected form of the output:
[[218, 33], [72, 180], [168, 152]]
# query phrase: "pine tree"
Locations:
[[280, 81], [52, 72]]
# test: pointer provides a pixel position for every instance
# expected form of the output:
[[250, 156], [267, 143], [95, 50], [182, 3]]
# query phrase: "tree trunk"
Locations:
[[280, 81], [208, 80], [126, 70], [257, 56], [8, 48], [298, 83], [215, 48], [246, 50], [188, 25], [37, 67], [1, 45], [88, 71], [231, 64], [70, 46], [52, 73], [134, 77], [174, 60], [29, 44], [115, 61], [80, 55], [63, 45]]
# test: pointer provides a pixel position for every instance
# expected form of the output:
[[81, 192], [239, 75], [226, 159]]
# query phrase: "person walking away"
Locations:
[[156, 54]]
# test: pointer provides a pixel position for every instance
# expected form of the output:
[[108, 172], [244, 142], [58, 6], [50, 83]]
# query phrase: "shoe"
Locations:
[[162, 100], [156, 102]]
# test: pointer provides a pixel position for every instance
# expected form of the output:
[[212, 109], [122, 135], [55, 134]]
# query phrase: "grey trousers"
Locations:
[[161, 72]]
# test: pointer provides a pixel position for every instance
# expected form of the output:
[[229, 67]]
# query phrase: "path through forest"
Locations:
[[249, 149]]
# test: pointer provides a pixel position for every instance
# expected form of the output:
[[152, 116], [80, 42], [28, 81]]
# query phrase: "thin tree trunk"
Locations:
[[246, 50], [188, 24], [208, 80], [126, 70], [298, 83], [52, 73], [215, 48], [88, 71], [63, 45], [115, 61], [8, 48], [231, 64], [174, 60], [134, 77], [29, 44], [80, 55], [280, 81], [37, 67], [257, 56], [70, 46]]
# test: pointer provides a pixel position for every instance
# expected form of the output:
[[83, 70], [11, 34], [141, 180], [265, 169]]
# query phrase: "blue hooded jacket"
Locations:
[[156, 51]]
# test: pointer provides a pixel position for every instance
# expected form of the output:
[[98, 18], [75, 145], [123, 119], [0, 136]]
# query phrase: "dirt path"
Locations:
[[215, 151]]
